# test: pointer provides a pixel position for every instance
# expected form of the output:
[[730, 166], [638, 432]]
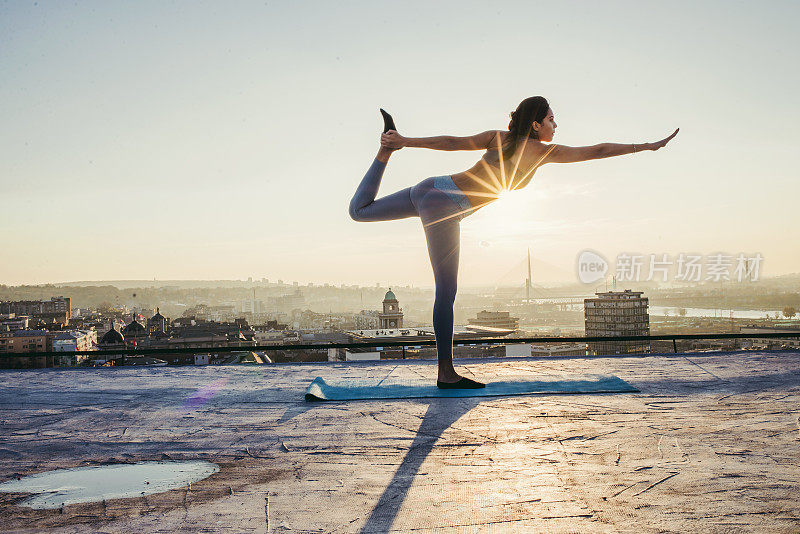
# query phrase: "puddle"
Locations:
[[95, 483]]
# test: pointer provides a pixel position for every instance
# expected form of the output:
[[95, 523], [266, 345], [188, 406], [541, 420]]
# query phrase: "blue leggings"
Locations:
[[441, 217]]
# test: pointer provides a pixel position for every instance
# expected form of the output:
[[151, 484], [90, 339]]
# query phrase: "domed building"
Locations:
[[392, 316], [134, 331], [112, 339], [157, 323]]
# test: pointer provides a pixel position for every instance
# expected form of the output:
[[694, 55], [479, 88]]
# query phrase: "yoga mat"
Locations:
[[386, 388]]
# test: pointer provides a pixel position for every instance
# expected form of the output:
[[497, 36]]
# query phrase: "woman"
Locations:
[[441, 202]]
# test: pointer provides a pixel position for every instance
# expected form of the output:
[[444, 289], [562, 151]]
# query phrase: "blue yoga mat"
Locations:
[[387, 388]]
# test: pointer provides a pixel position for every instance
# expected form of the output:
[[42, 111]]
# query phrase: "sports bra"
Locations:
[[492, 157]]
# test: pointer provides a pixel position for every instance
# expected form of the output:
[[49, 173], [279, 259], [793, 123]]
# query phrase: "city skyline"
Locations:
[[200, 141]]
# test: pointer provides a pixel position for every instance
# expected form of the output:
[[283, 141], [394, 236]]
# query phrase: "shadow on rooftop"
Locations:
[[295, 410], [441, 414]]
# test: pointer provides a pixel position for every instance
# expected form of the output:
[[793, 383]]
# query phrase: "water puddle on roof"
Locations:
[[116, 481]]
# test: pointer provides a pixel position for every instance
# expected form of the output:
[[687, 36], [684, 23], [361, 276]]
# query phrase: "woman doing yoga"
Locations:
[[441, 202]]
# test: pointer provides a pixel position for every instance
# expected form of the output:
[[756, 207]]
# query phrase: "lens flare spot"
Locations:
[[200, 397]]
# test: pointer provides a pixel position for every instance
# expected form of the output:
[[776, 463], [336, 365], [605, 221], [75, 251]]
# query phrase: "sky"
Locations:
[[215, 140]]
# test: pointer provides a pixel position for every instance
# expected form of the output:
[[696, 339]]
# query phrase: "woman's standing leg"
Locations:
[[443, 249], [441, 221]]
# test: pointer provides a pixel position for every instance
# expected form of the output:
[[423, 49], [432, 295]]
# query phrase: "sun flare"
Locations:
[[500, 185]]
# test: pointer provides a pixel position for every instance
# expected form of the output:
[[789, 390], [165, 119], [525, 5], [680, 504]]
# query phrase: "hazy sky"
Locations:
[[211, 140]]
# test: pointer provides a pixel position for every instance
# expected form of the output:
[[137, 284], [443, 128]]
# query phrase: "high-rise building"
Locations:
[[617, 313]]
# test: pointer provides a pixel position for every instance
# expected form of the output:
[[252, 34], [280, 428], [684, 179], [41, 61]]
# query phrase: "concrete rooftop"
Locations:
[[711, 443]]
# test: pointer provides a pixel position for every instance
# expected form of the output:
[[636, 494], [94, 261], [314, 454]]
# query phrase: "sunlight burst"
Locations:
[[500, 186]]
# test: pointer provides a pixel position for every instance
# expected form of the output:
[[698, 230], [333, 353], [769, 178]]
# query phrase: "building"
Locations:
[[410, 337], [204, 337], [20, 342], [358, 356], [221, 313], [545, 349], [251, 306], [134, 333], [558, 349], [292, 301], [74, 340], [184, 321], [268, 337], [111, 340], [14, 321], [617, 313], [367, 320], [392, 316], [53, 313], [496, 319], [157, 323], [24, 341], [269, 333], [184, 333], [104, 325], [69, 342], [56, 308], [770, 343]]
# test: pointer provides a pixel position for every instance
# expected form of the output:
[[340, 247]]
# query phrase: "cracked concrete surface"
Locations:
[[711, 443]]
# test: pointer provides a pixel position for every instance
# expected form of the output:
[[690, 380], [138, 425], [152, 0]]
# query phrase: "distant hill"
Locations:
[[179, 284]]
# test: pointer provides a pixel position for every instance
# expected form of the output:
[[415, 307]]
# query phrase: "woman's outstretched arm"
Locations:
[[573, 154], [481, 141]]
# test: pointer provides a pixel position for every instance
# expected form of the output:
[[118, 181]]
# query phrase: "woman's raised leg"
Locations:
[[364, 207]]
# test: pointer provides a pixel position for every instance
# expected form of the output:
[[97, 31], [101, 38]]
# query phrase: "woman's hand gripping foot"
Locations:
[[390, 139]]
